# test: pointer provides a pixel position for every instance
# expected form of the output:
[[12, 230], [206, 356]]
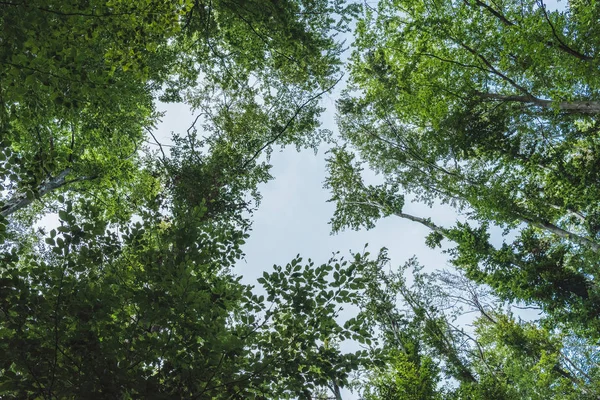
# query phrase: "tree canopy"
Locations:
[[491, 108], [487, 106]]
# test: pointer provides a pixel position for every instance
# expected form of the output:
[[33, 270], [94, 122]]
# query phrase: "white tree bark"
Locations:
[[582, 107], [20, 200]]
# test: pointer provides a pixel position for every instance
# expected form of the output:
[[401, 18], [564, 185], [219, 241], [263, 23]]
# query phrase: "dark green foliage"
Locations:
[[153, 311]]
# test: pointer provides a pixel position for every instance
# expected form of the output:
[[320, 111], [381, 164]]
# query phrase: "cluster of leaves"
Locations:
[[80, 83]]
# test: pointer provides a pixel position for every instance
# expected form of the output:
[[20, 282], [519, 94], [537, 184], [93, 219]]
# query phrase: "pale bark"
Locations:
[[580, 107], [20, 200], [570, 236], [423, 221]]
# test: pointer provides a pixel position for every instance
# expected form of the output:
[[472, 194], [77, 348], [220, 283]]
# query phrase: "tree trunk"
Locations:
[[423, 221], [575, 107], [580, 240], [20, 200], [336, 390], [560, 232]]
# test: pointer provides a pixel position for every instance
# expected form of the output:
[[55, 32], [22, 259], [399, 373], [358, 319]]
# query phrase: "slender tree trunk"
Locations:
[[576, 107], [547, 226], [336, 390], [580, 240], [423, 221], [20, 200]]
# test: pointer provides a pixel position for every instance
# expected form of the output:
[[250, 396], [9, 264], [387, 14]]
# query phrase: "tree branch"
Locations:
[[492, 69], [501, 17], [561, 45], [289, 122], [20, 200], [582, 107], [164, 159]]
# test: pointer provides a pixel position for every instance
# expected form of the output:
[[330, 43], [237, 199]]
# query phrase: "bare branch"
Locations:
[[160, 146]]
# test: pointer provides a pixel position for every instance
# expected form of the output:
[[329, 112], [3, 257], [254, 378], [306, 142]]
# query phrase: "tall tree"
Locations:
[[151, 309], [80, 80], [488, 107], [427, 355]]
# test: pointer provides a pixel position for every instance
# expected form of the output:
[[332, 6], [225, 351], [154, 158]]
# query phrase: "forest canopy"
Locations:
[[489, 107]]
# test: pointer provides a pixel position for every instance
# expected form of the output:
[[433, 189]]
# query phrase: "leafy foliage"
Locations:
[[152, 310], [81, 81], [133, 295], [490, 108], [427, 355]]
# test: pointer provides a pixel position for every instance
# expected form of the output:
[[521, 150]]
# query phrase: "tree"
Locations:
[[152, 310], [78, 92], [401, 368], [73, 121], [81, 81], [447, 53], [534, 267], [435, 106], [489, 108], [426, 354]]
